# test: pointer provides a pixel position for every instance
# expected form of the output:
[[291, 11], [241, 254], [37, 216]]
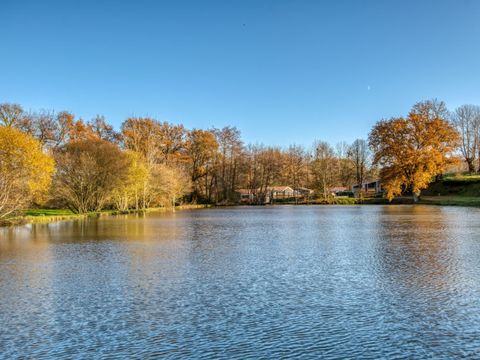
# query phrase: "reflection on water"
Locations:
[[329, 282]]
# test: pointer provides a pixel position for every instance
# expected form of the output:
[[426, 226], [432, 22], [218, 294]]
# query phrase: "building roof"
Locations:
[[244, 191], [303, 189], [279, 188], [338, 189], [269, 188], [367, 182]]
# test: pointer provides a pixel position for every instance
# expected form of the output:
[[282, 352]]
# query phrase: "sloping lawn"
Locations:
[[451, 200], [48, 212]]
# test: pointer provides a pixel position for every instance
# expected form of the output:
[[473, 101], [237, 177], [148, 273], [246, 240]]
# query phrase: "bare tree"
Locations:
[[263, 169], [324, 167], [359, 154], [466, 120], [103, 130], [230, 151], [295, 166], [431, 109], [346, 171], [11, 114]]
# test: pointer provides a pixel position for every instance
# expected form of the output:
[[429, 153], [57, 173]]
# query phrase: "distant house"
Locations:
[[253, 196], [303, 192], [271, 193], [280, 192], [368, 187], [339, 190], [246, 195]]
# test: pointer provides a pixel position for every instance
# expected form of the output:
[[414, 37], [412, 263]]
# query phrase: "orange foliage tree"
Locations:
[[413, 150]]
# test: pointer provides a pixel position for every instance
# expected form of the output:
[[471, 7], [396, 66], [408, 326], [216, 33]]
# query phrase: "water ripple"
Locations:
[[275, 282]]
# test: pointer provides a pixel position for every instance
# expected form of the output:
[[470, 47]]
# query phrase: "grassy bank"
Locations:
[[459, 190], [446, 200], [451, 200], [38, 216], [454, 190], [345, 200]]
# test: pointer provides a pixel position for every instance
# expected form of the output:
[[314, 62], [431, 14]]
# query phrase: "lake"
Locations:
[[245, 282]]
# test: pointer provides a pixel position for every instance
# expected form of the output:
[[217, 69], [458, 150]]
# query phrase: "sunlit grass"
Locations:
[[462, 177], [48, 212], [451, 200]]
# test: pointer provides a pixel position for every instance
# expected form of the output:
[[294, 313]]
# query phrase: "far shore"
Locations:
[[442, 200], [42, 216]]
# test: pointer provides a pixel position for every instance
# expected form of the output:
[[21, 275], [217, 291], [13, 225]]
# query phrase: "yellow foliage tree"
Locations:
[[171, 184], [88, 172], [128, 193], [25, 171], [413, 150]]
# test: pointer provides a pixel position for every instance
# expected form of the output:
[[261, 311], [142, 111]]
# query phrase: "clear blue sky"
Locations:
[[281, 71]]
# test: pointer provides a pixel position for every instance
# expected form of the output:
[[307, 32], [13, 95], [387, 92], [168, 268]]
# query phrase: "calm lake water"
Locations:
[[248, 282]]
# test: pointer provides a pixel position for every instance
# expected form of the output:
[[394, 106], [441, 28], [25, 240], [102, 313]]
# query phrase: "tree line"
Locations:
[[59, 160]]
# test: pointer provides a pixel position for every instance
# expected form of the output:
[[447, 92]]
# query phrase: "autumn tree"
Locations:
[[25, 171], [171, 142], [201, 148], [172, 184], [412, 150], [128, 193], [229, 160], [161, 143], [88, 173]]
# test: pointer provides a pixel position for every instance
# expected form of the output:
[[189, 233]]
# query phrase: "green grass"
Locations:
[[451, 200], [341, 200], [345, 201], [67, 212], [35, 216], [462, 177], [48, 212], [455, 185]]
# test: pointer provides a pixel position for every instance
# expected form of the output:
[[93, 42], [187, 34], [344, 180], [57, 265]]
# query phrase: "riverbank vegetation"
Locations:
[[41, 215], [56, 160]]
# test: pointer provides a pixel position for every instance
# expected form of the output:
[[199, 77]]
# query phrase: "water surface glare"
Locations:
[[249, 282]]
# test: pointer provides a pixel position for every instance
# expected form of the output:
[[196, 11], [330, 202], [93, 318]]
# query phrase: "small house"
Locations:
[[247, 196], [368, 187], [339, 191], [281, 192], [303, 192]]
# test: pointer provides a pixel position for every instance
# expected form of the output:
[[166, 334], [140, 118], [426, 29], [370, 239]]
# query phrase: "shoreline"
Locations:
[[45, 219], [442, 200], [41, 218]]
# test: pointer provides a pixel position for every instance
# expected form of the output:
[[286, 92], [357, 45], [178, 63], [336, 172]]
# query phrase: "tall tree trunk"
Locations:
[[416, 197], [471, 165]]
